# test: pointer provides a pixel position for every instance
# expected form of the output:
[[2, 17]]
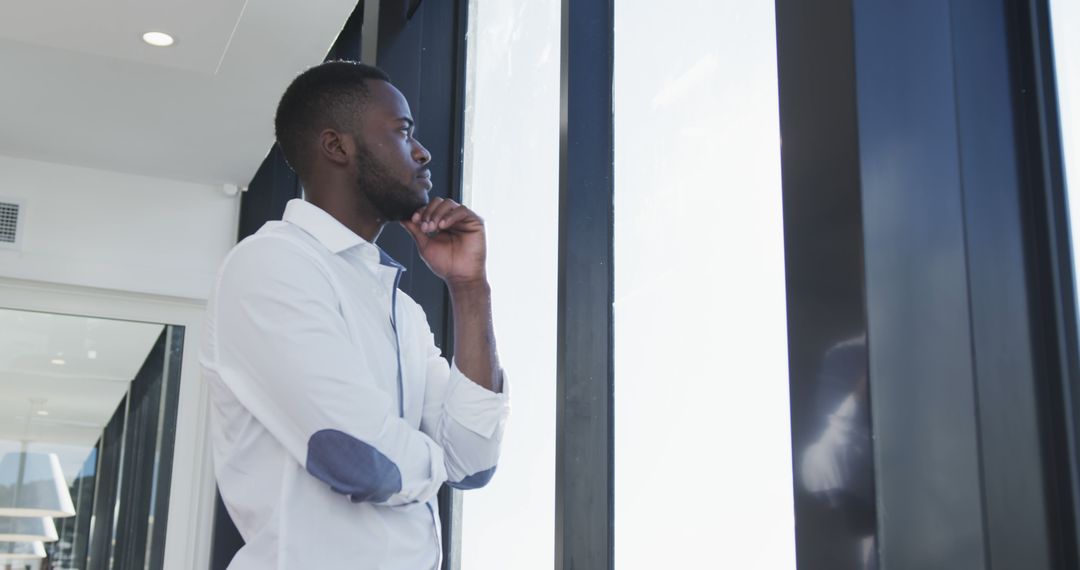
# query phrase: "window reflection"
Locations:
[[837, 466], [87, 413]]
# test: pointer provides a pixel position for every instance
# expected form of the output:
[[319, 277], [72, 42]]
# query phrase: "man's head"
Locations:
[[348, 134]]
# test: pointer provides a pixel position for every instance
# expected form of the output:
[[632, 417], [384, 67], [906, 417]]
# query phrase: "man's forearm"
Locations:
[[474, 336]]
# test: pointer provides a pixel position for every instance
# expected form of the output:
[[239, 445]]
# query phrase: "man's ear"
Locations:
[[336, 147]]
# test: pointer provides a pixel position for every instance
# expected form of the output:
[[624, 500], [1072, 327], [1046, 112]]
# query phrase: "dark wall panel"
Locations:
[[273, 185]]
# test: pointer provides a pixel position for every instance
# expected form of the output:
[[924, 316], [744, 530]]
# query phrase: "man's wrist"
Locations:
[[473, 286]]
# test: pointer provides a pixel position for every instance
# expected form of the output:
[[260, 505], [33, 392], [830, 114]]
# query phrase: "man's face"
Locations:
[[391, 165]]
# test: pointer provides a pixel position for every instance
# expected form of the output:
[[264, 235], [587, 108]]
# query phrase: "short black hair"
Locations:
[[327, 96]]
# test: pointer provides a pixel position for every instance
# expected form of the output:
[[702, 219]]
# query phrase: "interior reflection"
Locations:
[[837, 466], [87, 408]]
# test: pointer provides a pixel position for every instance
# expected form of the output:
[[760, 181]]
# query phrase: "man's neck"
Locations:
[[347, 208]]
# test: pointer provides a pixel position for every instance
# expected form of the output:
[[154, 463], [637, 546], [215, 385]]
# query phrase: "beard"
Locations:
[[392, 200]]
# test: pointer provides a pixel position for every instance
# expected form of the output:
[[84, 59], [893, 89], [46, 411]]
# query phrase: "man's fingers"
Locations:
[[438, 213], [414, 230], [457, 215], [424, 214]]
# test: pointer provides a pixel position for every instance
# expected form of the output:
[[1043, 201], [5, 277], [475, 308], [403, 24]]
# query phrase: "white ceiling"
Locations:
[[80, 366], [80, 86]]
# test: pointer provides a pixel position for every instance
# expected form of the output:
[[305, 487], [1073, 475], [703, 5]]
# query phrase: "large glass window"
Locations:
[[87, 422], [511, 178], [702, 426]]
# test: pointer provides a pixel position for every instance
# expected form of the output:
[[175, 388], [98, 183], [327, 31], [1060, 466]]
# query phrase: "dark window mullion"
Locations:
[[584, 511]]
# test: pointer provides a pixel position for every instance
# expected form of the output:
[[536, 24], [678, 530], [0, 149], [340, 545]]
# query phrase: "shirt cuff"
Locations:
[[478, 409]]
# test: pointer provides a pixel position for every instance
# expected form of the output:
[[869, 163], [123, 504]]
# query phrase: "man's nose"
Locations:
[[421, 154]]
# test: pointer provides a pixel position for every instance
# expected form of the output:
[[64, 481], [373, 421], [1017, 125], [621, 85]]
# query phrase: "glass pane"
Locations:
[[702, 426], [512, 179], [87, 416], [1065, 20]]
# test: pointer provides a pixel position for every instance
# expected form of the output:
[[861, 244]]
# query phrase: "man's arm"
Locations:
[[450, 238], [465, 406], [474, 337]]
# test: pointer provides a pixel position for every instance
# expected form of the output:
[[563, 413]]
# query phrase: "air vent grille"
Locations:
[[9, 223]]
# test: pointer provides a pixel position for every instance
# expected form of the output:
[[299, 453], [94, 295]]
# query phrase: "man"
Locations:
[[334, 418]]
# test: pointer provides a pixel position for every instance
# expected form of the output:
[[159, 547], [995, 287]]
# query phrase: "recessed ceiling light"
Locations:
[[158, 39], [58, 361], [42, 412], [91, 354]]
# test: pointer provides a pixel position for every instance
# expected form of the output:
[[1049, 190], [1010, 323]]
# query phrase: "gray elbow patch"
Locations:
[[474, 481], [352, 467]]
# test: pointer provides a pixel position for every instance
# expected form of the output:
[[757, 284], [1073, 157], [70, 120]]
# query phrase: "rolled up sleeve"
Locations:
[[466, 419], [282, 347]]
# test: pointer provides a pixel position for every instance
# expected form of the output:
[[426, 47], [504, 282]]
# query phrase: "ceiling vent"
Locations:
[[10, 223]]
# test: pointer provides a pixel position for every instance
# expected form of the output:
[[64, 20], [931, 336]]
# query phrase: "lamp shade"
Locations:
[[27, 529], [22, 551], [32, 485]]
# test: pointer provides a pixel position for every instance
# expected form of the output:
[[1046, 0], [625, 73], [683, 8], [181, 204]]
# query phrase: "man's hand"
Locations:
[[450, 238], [451, 241]]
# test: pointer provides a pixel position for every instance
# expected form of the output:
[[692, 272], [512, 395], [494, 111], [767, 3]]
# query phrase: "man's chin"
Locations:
[[406, 212]]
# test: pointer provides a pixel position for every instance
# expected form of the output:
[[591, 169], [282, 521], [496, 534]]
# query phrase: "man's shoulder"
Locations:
[[278, 247], [275, 239]]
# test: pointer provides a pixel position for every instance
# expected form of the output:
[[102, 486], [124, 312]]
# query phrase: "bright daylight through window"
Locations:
[[702, 424], [512, 179]]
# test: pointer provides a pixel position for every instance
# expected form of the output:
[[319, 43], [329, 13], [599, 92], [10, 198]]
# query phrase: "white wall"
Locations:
[[95, 228]]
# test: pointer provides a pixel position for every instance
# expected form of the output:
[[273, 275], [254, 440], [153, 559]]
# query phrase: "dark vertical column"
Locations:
[[922, 377], [1019, 512], [106, 490], [140, 446], [147, 457], [166, 443], [584, 537], [1051, 274], [835, 520]]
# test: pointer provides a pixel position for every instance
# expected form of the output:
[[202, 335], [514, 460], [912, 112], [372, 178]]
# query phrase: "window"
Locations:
[[86, 440], [511, 178], [702, 424]]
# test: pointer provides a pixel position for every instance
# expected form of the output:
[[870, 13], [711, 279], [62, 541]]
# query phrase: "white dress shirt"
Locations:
[[334, 417]]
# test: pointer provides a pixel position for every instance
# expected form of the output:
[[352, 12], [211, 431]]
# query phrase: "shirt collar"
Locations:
[[332, 234]]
